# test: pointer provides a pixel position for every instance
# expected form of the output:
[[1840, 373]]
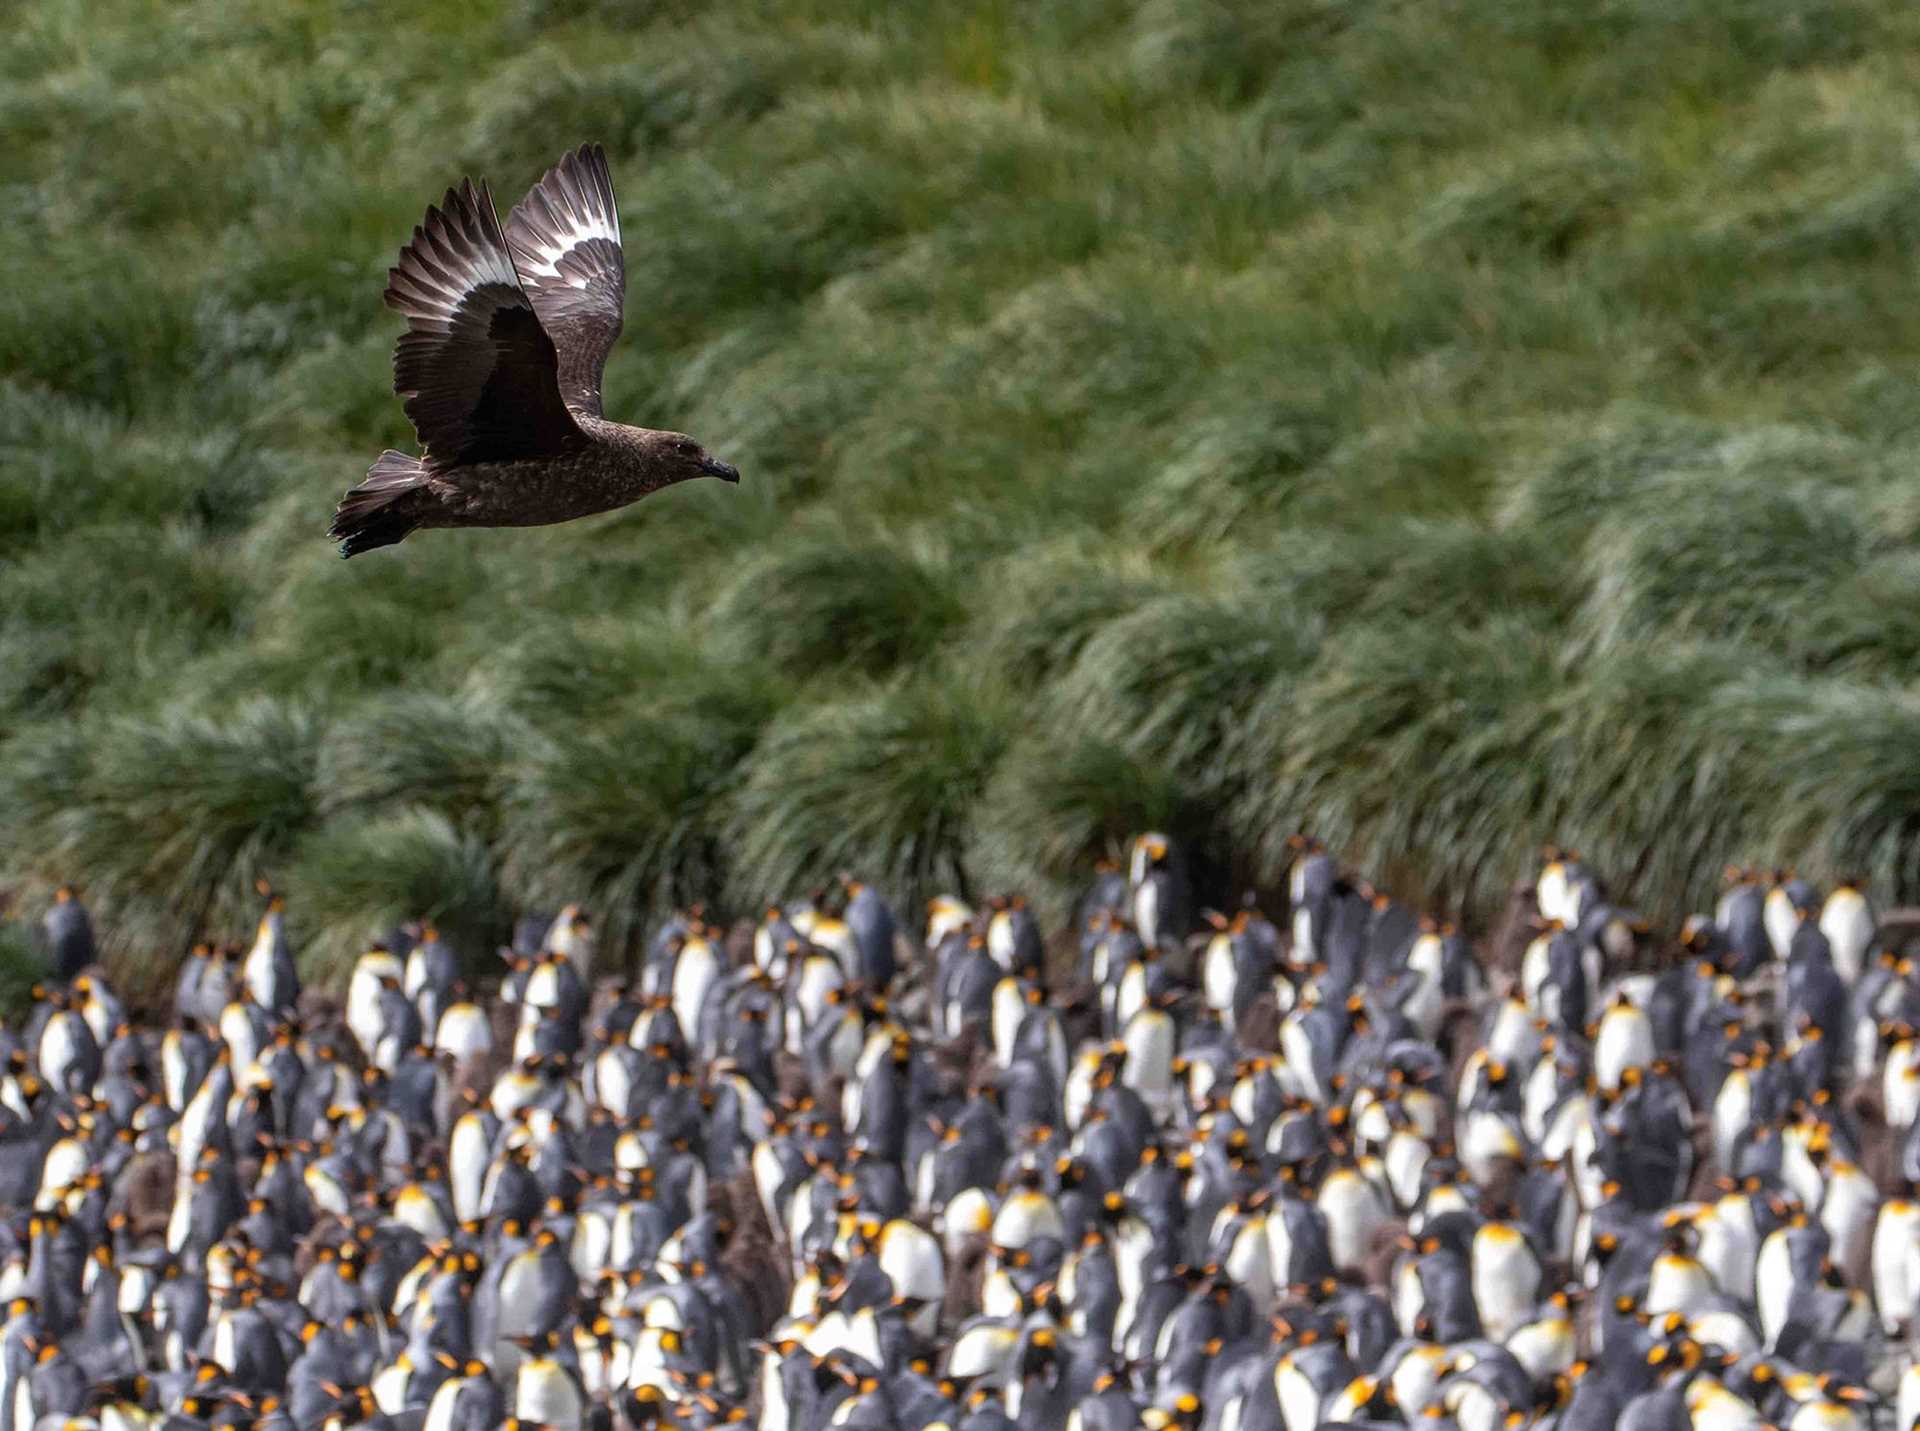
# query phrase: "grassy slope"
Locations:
[[1446, 426]]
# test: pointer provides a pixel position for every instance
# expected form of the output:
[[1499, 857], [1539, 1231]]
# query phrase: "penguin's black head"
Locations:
[[1040, 1355]]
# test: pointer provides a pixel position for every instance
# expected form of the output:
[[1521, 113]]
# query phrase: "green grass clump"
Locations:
[[169, 819], [21, 968], [1061, 800], [1866, 622], [1841, 756], [1648, 783], [827, 603], [1446, 429], [1728, 563], [1546, 201], [452, 754], [357, 878], [624, 806], [1038, 610], [68, 609], [886, 782], [626, 817], [1235, 467], [1174, 680], [1415, 751]]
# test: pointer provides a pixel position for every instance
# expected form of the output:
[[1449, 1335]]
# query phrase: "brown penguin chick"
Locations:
[[738, 945], [1702, 1185], [950, 1067], [958, 1059], [1458, 1038], [503, 1022], [1519, 922], [966, 1278], [750, 1260], [143, 1193], [1384, 1245], [793, 1081], [499, 369], [1879, 1144], [473, 1080], [322, 1243], [318, 1011], [1258, 1029], [608, 993], [1079, 1008]]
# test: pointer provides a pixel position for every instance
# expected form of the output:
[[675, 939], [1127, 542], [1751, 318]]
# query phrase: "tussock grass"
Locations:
[[21, 968], [1572, 481], [110, 605], [1237, 465], [1867, 622], [1414, 750], [626, 818], [1443, 429], [1649, 784], [1173, 681], [586, 669], [173, 818], [1415, 570], [452, 755], [1840, 756], [1038, 608], [626, 807], [360, 876], [354, 630], [1730, 562], [887, 781], [820, 604], [1547, 201], [1059, 801]]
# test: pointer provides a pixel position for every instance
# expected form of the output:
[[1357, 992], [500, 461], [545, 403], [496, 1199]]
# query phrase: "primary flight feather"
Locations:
[[499, 369]]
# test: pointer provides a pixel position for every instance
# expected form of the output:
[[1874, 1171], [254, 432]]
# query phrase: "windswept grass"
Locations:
[[828, 603], [1648, 783], [887, 782], [1237, 464], [452, 754], [625, 816], [1733, 562], [171, 819], [21, 968], [1442, 428], [1059, 801], [1846, 772], [1038, 609], [1173, 681], [1415, 750], [359, 877], [1868, 619]]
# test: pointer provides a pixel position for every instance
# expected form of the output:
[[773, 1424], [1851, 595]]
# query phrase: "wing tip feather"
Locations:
[[457, 248]]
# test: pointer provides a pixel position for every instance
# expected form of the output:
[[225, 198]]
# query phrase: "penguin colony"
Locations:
[[1338, 1169]]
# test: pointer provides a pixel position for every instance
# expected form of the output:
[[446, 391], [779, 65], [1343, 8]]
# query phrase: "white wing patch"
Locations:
[[543, 257], [458, 250], [565, 240]]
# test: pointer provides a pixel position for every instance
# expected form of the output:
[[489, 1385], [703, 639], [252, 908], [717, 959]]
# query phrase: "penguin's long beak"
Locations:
[[725, 471]]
